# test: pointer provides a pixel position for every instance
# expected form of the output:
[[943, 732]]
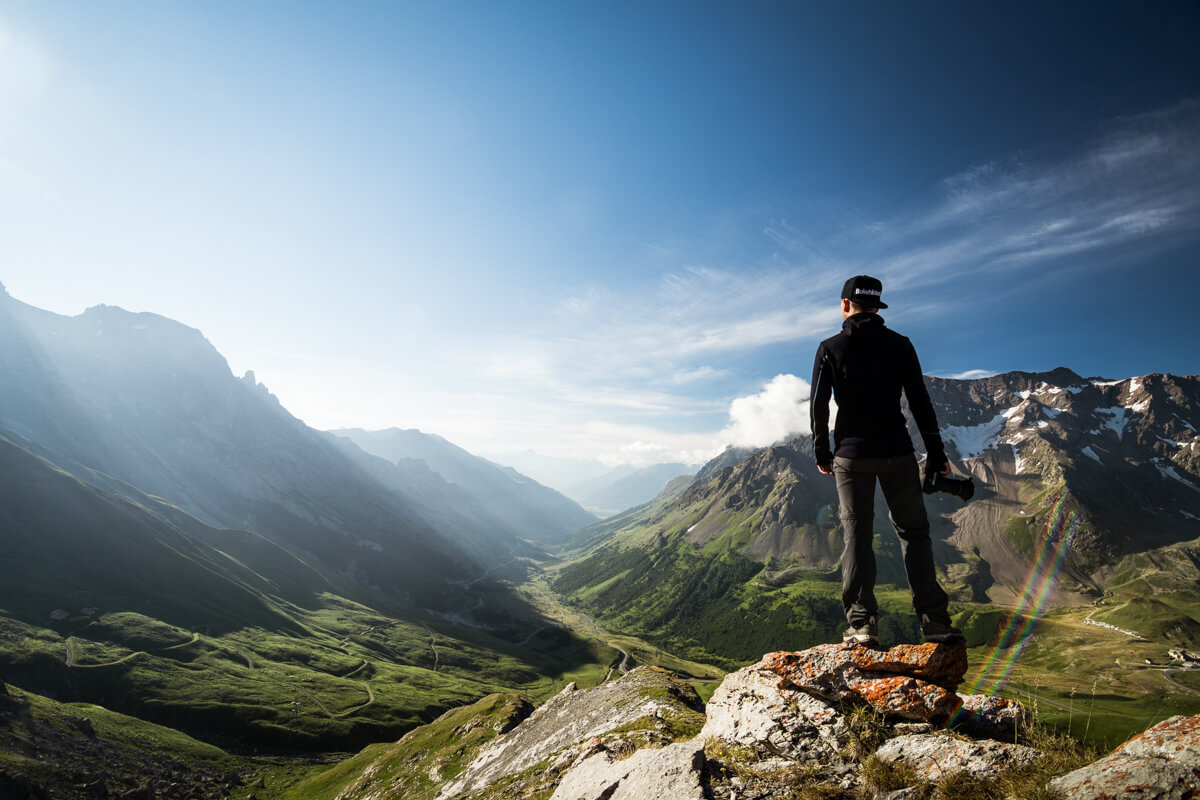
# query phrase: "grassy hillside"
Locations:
[[123, 600]]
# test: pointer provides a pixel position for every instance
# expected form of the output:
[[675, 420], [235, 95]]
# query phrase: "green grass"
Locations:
[[1021, 534], [415, 767], [1053, 672], [353, 676]]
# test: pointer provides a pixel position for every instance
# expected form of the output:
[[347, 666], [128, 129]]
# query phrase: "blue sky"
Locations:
[[604, 228]]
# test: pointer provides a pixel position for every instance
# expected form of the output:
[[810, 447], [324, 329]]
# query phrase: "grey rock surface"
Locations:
[[670, 773], [1161, 764], [936, 755], [751, 710], [994, 717], [570, 727]]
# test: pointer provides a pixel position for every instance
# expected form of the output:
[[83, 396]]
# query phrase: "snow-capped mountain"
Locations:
[[1080, 483], [1125, 452]]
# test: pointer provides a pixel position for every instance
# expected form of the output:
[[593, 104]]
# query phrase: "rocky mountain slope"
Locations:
[[1106, 468], [1080, 482]]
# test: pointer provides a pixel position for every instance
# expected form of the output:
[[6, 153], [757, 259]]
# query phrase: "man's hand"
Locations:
[[827, 469], [945, 470]]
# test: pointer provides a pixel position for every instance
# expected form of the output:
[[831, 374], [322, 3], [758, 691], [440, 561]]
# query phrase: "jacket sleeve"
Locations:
[[922, 408], [818, 405]]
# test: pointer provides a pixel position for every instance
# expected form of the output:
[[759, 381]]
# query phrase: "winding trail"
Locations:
[[467, 582], [1167, 673], [69, 644], [339, 714], [623, 667], [437, 659]]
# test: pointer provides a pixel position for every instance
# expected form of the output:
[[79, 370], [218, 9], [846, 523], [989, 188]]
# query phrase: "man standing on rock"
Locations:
[[865, 368]]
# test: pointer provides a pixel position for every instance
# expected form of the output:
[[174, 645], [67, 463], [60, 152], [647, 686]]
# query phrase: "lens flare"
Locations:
[[1043, 575]]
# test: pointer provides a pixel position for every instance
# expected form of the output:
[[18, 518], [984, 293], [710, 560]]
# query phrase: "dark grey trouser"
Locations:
[[900, 480]]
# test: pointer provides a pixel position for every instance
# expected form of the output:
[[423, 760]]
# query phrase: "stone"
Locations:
[[81, 724], [943, 664], [912, 681], [991, 717], [934, 756], [576, 724], [1163, 763], [671, 772], [754, 708]]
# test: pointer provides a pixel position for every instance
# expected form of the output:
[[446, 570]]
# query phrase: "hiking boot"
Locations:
[[867, 634], [941, 632]]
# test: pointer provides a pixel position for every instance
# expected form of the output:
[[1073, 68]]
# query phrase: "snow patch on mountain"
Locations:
[[972, 440], [1090, 453], [1169, 472], [1118, 419], [1017, 460]]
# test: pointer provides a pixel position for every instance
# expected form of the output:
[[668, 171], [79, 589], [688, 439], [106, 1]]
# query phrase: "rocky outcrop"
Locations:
[[754, 708], [912, 681], [793, 704], [1161, 764], [648, 707], [991, 717], [846, 721], [791, 713]]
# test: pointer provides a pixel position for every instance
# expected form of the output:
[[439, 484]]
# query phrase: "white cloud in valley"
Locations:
[[779, 411]]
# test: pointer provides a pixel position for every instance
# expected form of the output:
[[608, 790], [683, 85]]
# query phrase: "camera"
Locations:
[[962, 488]]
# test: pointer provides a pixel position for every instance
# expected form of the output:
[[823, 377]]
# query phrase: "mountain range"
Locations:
[[510, 501], [625, 487], [176, 547], [1081, 483]]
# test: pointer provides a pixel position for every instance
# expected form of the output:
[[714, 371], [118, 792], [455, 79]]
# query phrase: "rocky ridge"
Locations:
[[835, 721]]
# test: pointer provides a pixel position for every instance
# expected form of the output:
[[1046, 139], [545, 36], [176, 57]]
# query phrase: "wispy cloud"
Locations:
[[659, 362], [1140, 179], [971, 374]]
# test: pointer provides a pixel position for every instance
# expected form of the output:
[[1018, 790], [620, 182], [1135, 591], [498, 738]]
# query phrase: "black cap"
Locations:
[[863, 290]]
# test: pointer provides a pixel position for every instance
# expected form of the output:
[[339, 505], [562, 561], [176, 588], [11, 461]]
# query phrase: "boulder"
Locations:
[[992, 717], [670, 772], [934, 756], [1163, 763], [912, 681], [754, 708]]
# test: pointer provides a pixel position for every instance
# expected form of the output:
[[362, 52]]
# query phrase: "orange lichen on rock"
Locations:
[[907, 697], [912, 681], [942, 664]]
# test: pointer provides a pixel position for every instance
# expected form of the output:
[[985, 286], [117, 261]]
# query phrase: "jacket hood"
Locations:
[[862, 323]]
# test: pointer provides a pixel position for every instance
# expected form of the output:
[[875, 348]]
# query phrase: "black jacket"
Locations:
[[865, 367]]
